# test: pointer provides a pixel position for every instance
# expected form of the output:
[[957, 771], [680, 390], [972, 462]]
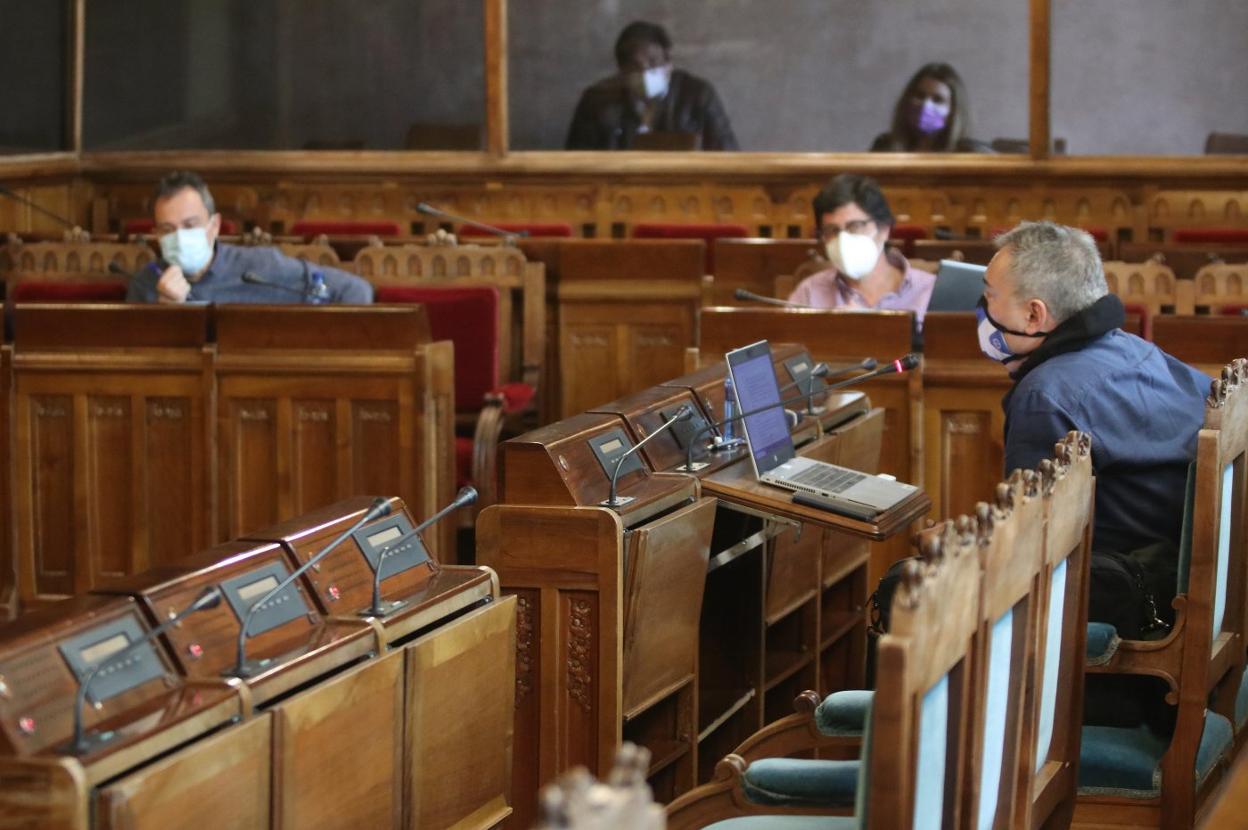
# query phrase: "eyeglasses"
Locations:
[[186, 224], [829, 232]]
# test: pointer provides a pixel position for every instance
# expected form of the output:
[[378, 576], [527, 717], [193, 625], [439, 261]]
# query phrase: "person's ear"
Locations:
[[882, 234], [214, 226], [1038, 317]]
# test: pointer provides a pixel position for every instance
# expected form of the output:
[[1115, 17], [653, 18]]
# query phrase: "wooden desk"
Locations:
[[113, 440], [1206, 342], [754, 264]]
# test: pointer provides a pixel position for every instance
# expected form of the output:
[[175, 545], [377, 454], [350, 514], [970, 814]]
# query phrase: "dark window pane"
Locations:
[[798, 75], [34, 44], [1148, 78], [284, 74]]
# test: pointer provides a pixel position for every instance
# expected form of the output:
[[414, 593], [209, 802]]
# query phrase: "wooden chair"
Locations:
[[1202, 657], [1222, 287], [1184, 260], [341, 227], [73, 271], [1204, 341], [1052, 717], [916, 749], [317, 252], [1148, 289], [498, 358], [707, 232]]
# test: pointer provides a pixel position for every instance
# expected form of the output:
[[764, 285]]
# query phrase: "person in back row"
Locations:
[[852, 221], [195, 267], [648, 95], [932, 115]]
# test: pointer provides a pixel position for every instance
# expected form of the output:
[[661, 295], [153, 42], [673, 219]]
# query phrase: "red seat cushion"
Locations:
[[135, 227], [709, 232], [463, 460], [1211, 236], [100, 291], [467, 316], [560, 230], [330, 227]]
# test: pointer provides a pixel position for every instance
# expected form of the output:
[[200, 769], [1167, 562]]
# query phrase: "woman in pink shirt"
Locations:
[[853, 220]]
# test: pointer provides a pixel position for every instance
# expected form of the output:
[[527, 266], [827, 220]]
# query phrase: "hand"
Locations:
[[172, 287]]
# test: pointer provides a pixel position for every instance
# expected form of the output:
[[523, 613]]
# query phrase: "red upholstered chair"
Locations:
[[468, 317], [708, 232], [556, 230], [903, 237], [1211, 236], [138, 227], [40, 291], [349, 227]]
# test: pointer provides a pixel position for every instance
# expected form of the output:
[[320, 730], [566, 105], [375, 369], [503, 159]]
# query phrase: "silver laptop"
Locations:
[[959, 285], [771, 446]]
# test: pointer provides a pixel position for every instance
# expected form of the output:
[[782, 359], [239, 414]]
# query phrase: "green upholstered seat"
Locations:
[[800, 782], [1103, 641], [1127, 761]]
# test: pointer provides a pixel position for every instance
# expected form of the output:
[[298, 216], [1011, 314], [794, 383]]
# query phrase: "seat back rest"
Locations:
[[922, 711]]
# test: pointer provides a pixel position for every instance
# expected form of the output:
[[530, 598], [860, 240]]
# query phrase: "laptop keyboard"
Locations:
[[828, 478]]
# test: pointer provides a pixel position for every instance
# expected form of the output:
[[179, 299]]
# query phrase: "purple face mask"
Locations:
[[932, 117]]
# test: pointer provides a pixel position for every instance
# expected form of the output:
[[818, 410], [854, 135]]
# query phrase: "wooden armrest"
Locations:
[[798, 733], [1159, 658]]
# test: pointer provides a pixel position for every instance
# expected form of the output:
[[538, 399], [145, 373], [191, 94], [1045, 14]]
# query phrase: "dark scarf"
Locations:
[[1071, 335]]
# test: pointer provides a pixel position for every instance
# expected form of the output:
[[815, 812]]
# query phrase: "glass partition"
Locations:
[[284, 75], [1149, 78], [34, 75], [802, 75]]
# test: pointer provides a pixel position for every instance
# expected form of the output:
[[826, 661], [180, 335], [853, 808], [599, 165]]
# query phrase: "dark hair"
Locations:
[[639, 33], [180, 180], [861, 190], [903, 135]]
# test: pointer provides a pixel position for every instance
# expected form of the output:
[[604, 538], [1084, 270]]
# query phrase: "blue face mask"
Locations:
[[188, 248], [992, 336]]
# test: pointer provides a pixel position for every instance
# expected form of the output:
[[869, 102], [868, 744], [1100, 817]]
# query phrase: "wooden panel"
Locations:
[[753, 264], [460, 706], [1208, 343], [223, 781], [249, 453], [8, 566], [50, 794], [45, 457], [355, 719]]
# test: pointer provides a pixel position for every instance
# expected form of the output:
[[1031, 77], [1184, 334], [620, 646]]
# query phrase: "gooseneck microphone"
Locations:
[[465, 497], [318, 291], [683, 414], [4, 191], [210, 597], [430, 210], [380, 507], [901, 364], [742, 294]]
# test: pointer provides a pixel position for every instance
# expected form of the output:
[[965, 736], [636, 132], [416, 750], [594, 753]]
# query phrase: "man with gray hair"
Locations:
[[1047, 314], [195, 267]]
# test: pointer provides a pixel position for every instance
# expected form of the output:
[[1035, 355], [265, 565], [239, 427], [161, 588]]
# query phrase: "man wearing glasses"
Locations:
[[195, 267], [853, 220]]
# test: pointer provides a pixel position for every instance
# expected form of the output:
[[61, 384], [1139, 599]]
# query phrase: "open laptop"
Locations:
[[774, 458], [959, 285]]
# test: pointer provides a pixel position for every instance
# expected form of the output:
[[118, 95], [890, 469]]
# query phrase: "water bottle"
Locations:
[[318, 291], [729, 431]]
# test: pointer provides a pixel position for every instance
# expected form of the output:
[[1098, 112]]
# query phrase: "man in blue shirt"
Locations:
[[1048, 315], [195, 267]]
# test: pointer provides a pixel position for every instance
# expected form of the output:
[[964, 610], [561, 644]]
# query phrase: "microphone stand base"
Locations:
[[720, 445], [697, 465], [249, 668], [91, 741], [385, 609], [620, 501]]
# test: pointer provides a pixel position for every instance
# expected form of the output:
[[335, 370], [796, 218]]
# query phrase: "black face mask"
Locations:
[[991, 337]]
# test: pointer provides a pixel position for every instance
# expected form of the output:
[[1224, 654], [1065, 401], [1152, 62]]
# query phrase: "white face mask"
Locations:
[[187, 248], [853, 254], [655, 81]]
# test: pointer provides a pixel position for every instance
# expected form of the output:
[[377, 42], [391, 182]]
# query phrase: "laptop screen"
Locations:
[[754, 378], [959, 285]]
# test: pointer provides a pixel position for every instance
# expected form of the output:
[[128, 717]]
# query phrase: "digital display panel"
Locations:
[[610, 446], [257, 589], [386, 536], [104, 649]]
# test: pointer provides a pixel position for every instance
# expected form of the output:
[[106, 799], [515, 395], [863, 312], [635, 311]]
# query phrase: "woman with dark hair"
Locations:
[[931, 116], [853, 220]]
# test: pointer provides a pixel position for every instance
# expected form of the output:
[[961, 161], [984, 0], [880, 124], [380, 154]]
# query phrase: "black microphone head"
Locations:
[[684, 413], [427, 209], [210, 597], [467, 495], [820, 370], [742, 294], [380, 507], [908, 362], [869, 364]]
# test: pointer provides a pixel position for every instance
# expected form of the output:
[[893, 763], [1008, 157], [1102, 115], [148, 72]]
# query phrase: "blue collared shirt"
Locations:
[[290, 278], [1143, 409]]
